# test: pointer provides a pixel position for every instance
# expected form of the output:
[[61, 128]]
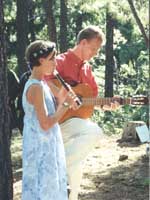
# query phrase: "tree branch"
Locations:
[[139, 23]]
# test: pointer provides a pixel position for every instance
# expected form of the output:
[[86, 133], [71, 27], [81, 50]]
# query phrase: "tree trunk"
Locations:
[[109, 56], [31, 20], [139, 23], [79, 21], [51, 20], [22, 34], [6, 180], [129, 131], [63, 26]]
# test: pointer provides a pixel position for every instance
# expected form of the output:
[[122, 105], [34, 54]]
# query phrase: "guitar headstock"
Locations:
[[139, 100]]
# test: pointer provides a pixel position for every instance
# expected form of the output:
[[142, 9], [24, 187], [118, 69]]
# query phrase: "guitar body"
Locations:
[[85, 111]]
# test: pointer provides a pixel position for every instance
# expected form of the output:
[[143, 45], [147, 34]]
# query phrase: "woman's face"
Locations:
[[49, 63]]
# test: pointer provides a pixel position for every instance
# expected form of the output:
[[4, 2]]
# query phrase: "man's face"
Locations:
[[90, 48]]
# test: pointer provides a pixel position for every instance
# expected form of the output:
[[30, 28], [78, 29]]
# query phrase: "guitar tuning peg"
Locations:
[[139, 100]]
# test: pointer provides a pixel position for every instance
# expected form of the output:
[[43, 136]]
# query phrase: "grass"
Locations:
[[16, 154]]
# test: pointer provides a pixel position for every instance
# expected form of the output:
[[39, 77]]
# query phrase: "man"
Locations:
[[13, 89], [80, 135], [23, 79]]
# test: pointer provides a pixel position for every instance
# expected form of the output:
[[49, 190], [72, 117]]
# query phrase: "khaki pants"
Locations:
[[79, 136]]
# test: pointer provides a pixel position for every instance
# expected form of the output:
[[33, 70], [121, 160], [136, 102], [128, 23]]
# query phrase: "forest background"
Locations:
[[121, 67]]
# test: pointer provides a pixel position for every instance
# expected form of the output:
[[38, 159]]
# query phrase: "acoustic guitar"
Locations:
[[84, 92]]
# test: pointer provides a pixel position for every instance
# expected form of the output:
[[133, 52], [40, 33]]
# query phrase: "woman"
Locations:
[[44, 167]]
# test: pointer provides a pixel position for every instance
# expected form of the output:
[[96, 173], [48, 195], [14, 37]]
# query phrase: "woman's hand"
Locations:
[[72, 100], [68, 97]]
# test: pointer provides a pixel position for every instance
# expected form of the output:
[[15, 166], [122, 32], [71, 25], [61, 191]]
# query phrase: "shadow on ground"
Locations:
[[122, 183]]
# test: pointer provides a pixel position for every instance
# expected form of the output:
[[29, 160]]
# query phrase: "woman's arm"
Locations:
[[35, 96]]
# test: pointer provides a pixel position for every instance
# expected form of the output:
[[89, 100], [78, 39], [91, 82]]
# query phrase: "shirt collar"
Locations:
[[75, 58]]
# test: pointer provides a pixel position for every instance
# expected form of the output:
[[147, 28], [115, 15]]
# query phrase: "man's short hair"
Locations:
[[90, 32]]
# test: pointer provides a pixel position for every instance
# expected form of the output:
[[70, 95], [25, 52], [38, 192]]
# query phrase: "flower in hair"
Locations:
[[41, 51], [35, 55]]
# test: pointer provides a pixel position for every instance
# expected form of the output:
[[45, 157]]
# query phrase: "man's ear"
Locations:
[[83, 42]]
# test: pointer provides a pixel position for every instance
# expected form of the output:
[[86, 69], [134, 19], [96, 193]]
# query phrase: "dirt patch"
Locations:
[[116, 171], [113, 171]]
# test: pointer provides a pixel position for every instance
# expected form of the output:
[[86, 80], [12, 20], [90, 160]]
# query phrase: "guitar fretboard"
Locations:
[[105, 101], [84, 92]]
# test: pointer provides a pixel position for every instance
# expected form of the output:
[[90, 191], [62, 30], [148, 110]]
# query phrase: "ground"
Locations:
[[112, 171]]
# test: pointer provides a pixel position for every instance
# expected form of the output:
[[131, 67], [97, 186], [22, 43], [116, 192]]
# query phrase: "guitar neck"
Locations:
[[105, 101], [85, 92]]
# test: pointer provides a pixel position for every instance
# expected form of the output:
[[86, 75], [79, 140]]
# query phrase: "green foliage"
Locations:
[[10, 26], [11, 63], [9, 11], [113, 122]]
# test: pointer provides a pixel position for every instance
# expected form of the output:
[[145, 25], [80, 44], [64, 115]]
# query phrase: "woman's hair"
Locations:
[[39, 49], [90, 32]]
